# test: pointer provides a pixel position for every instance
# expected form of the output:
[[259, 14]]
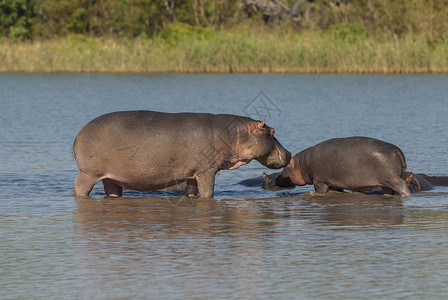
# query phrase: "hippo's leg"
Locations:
[[320, 187], [192, 187], [387, 191], [84, 184], [206, 184], [111, 188], [398, 185]]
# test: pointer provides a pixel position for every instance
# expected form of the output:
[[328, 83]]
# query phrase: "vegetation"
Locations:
[[224, 36]]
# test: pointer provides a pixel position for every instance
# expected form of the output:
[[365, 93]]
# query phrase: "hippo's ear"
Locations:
[[291, 162], [264, 175], [409, 179], [261, 124]]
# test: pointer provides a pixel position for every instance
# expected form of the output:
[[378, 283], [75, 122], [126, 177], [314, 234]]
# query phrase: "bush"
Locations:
[[349, 32], [15, 18], [178, 31]]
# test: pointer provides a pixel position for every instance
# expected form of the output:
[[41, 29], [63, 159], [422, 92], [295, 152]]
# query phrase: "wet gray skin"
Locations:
[[147, 150], [265, 181], [354, 163], [434, 180], [422, 182], [416, 182]]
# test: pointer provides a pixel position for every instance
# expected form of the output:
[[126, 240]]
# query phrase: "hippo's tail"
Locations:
[[403, 160], [73, 148]]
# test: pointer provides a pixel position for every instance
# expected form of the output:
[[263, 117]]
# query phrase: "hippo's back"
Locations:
[[353, 159], [140, 141], [137, 122], [358, 147]]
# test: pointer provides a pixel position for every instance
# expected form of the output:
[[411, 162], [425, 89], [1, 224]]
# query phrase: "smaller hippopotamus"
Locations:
[[415, 182], [267, 182], [434, 180], [422, 182], [354, 163]]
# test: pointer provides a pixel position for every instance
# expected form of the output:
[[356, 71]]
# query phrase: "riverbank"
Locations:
[[229, 52]]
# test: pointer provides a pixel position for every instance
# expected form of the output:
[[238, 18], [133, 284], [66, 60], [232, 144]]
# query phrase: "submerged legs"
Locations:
[[84, 184], [111, 188], [398, 185]]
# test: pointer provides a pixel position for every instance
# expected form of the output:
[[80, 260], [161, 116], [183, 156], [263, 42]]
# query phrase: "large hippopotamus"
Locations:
[[353, 163], [148, 150]]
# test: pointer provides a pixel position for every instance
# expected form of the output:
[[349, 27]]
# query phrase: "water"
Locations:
[[246, 243]]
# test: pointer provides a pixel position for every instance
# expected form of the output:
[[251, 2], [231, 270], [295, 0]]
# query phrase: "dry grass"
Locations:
[[228, 52]]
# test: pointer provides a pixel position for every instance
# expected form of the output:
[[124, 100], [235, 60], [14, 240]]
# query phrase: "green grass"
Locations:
[[233, 51]]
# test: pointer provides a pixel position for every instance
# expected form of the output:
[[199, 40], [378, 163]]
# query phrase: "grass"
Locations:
[[234, 51]]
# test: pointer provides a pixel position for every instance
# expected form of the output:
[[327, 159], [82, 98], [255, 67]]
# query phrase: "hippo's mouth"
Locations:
[[239, 164]]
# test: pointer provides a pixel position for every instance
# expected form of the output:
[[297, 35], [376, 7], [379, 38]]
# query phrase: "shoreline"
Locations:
[[137, 72]]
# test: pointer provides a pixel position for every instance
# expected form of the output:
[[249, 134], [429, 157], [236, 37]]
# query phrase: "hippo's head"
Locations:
[[290, 174], [269, 182], [248, 139], [415, 182], [265, 148]]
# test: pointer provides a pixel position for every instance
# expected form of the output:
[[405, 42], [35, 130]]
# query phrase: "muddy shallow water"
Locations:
[[245, 243]]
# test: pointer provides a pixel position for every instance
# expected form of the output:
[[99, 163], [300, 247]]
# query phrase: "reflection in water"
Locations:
[[177, 238], [173, 215], [219, 245], [358, 210]]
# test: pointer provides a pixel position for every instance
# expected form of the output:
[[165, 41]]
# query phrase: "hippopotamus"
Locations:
[[422, 182], [416, 182], [149, 150], [265, 181], [353, 163], [434, 180]]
